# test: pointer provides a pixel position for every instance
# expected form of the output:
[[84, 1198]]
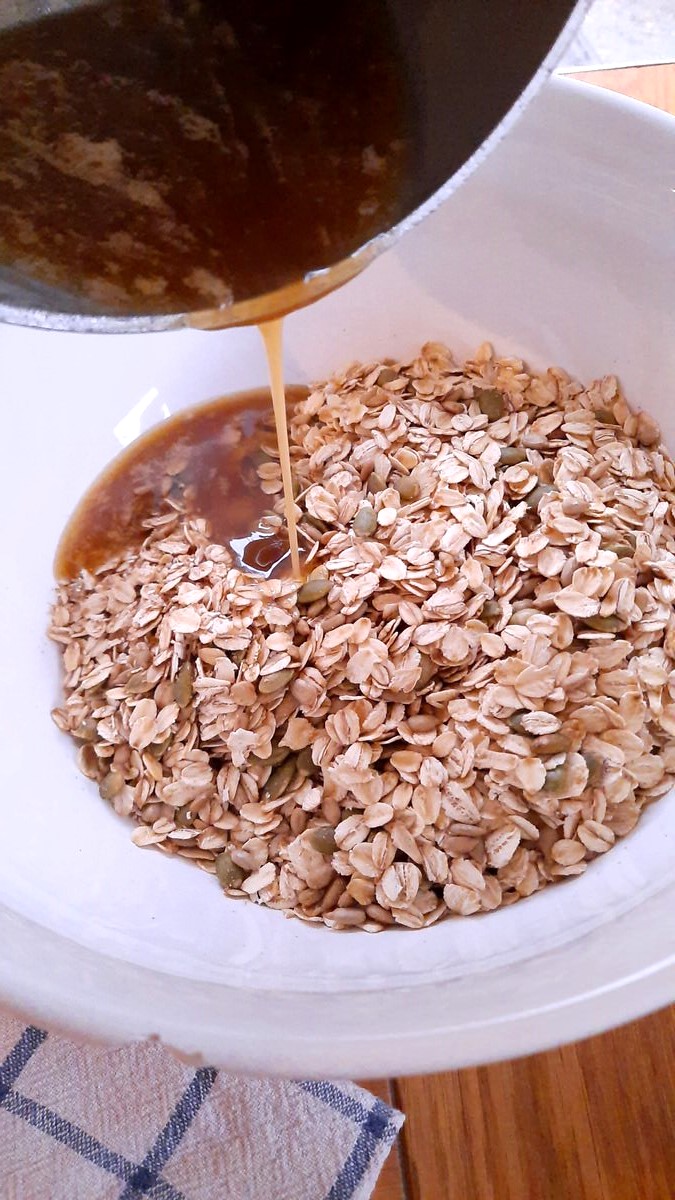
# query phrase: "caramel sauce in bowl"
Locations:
[[203, 461]]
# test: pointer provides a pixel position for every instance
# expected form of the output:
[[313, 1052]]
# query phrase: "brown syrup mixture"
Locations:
[[205, 461], [179, 155]]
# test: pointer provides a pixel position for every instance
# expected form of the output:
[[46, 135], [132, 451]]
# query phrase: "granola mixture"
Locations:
[[471, 696]]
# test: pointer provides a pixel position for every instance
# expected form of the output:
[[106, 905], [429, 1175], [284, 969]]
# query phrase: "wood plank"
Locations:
[[390, 1185], [654, 85], [593, 1121]]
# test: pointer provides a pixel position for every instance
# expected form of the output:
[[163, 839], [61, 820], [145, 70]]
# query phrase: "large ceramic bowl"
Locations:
[[561, 248]]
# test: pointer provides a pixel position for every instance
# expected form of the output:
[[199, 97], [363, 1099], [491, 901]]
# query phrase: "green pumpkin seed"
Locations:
[[157, 749], [365, 521], [515, 722], [491, 612], [228, 873], [319, 526], [182, 685], [605, 416], [275, 682], [313, 590], [491, 403], [542, 489], [550, 743], [555, 778], [596, 769], [621, 549], [510, 456], [407, 488], [305, 762], [375, 483], [428, 669], [137, 683], [184, 817], [278, 781], [279, 754], [323, 840], [386, 375], [111, 785], [610, 624]]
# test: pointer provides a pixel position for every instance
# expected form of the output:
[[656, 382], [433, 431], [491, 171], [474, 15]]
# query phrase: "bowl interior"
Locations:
[[560, 250]]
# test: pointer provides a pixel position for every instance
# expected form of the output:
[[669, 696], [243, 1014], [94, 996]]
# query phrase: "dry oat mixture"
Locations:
[[472, 695]]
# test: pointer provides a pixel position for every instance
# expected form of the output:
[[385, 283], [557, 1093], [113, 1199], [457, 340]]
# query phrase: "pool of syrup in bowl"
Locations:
[[203, 461]]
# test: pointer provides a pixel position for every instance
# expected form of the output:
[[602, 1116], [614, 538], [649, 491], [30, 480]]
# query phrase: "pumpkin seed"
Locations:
[[111, 785], [278, 781], [542, 489], [609, 624], [491, 403], [407, 487], [279, 754], [137, 683], [510, 456], [515, 721], [621, 549], [386, 375], [320, 526], [228, 873], [323, 840], [182, 685], [555, 779], [184, 817], [596, 769], [605, 416], [428, 669], [313, 590], [550, 743], [157, 748], [365, 521], [375, 483], [305, 762], [491, 612], [275, 682]]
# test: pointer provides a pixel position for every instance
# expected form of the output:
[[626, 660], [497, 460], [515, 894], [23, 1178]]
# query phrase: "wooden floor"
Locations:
[[593, 1121]]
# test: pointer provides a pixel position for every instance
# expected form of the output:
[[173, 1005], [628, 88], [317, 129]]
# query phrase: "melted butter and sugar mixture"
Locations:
[[205, 461], [167, 156]]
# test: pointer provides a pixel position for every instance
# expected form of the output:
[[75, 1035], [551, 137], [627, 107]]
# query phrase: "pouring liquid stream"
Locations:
[[272, 336]]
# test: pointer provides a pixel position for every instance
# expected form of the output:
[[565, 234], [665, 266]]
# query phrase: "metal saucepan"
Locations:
[[470, 68]]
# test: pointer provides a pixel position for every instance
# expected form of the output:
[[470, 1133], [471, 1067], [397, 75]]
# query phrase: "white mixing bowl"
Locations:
[[561, 248]]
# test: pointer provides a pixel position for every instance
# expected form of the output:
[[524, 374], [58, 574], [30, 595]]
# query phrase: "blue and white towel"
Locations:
[[94, 1123]]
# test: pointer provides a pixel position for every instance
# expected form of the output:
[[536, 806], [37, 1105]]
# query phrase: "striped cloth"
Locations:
[[93, 1123]]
